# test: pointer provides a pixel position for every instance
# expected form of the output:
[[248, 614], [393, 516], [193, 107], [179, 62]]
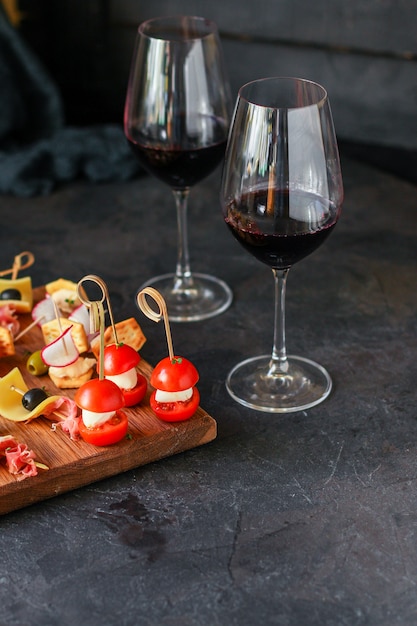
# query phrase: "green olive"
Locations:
[[35, 364]]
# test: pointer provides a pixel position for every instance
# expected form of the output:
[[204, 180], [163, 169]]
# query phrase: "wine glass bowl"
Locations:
[[281, 197], [176, 119]]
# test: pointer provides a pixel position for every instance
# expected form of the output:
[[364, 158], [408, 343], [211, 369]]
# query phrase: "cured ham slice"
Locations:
[[70, 425], [9, 320], [20, 460]]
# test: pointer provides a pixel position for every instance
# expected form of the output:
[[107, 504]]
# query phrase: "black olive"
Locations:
[[33, 397], [10, 294]]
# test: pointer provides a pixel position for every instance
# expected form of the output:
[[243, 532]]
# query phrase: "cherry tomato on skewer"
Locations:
[[175, 397], [120, 361], [102, 422]]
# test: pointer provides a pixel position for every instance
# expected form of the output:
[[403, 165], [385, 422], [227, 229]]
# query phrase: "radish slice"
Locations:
[[44, 311], [92, 336], [81, 315], [61, 352]]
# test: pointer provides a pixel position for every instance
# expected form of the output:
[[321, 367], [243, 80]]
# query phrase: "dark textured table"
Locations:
[[309, 518]]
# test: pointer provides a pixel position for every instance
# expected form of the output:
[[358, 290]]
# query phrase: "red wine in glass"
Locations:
[[281, 240], [281, 198], [177, 116], [179, 168]]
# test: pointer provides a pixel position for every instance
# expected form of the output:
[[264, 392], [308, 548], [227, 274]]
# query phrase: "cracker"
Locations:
[[6, 342], [53, 329], [74, 375], [64, 293], [67, 382], [128, 331], [60, 283]]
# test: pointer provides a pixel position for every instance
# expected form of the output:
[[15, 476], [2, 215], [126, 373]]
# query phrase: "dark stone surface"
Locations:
[[309, 518]]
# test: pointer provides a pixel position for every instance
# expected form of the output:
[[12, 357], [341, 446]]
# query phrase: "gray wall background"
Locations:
[[363, 51]]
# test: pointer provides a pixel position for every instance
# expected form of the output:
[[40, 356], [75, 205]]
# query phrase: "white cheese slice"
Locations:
[[127, 380], [92, 419], [173, 396]]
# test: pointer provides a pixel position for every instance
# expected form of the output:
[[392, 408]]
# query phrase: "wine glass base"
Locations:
[[204, 297], [302, 386]]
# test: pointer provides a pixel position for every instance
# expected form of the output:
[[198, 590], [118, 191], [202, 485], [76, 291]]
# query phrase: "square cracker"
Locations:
[[6, 342], [60, 283], [53, 329], [128, 331]]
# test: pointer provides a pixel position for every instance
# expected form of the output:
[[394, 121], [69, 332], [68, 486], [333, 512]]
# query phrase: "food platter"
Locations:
[[73, 464]]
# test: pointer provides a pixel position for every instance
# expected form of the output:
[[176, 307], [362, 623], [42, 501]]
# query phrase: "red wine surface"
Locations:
[[179, 168], [283, 230], [182, 154]]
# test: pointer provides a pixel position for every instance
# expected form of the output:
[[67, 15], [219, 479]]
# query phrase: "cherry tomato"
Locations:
[[119, 358], [175, 411], [99, 396], [175, 374], [108, 433], [135, 395]]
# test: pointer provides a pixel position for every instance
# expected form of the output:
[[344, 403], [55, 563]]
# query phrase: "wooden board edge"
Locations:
[[51, 483]]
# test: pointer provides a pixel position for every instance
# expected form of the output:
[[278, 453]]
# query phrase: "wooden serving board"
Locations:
[[74, 464]]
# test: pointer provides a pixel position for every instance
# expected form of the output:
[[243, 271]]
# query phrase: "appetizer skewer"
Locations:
[[14, 291], [18, 403], [101, 400], [118, 361], [20, 262], [176, 398]]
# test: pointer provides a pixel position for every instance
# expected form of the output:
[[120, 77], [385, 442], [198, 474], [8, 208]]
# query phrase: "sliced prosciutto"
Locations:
[[68, 418], [20, 460], [9, 320]]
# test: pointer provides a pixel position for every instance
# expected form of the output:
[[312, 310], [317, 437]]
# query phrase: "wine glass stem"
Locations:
[[183, 277], [279, 364]]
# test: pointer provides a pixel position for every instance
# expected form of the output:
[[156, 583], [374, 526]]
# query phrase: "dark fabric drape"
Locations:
[[37, 150]]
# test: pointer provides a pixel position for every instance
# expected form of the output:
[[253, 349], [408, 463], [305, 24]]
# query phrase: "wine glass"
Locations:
[[177, 116], [281, 196]]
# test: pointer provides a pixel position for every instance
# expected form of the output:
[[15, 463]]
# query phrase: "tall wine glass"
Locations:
[[281, 197], [177, 117]]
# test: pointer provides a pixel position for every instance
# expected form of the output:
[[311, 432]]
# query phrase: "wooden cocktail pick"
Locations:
[[21, 262], [97, 313], [156, 316]]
